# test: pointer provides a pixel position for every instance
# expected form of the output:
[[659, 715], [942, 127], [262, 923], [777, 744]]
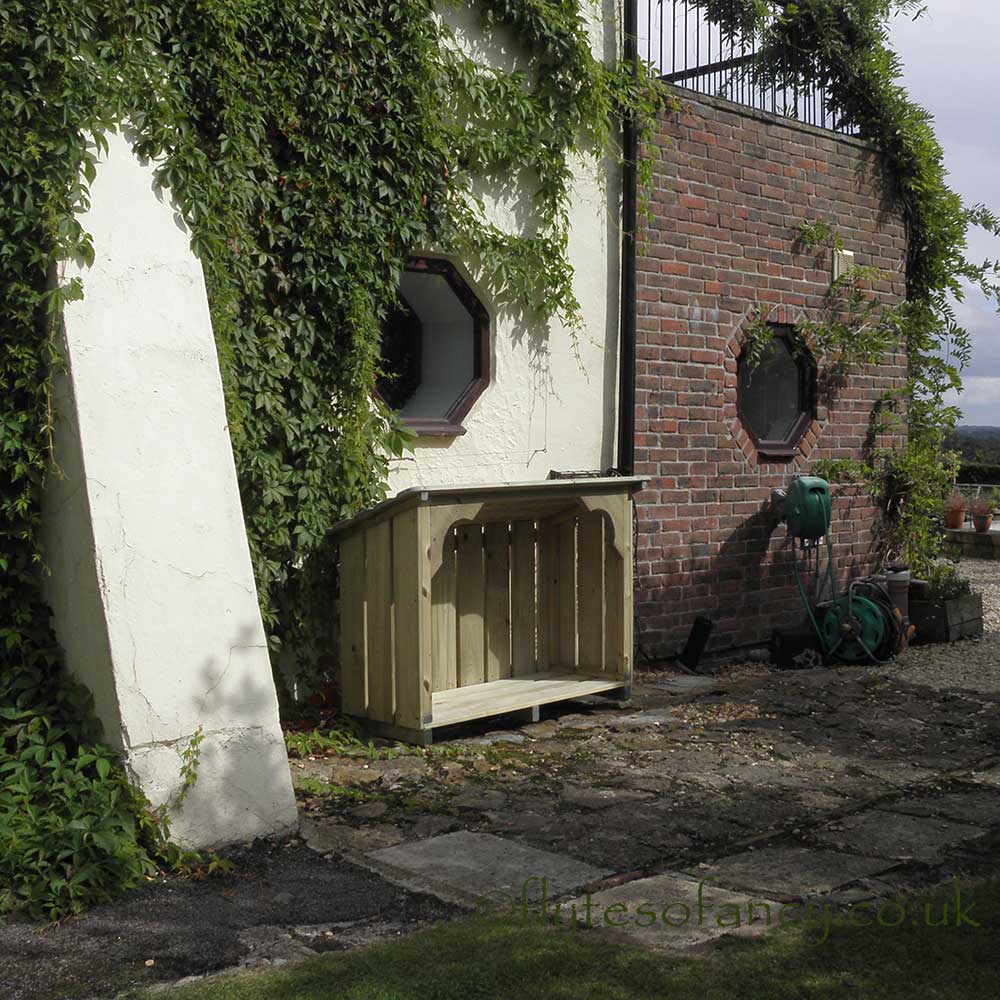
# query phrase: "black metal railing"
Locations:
[[686, 49]]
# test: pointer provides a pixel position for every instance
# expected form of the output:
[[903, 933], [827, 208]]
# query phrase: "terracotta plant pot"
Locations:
[[954, 517], [982, 522]]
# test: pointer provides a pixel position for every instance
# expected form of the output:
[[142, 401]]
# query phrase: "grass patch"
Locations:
[[310, 786], [495, 959], [341, 739]]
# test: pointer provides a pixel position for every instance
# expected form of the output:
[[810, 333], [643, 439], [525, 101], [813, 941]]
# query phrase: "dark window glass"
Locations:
[[775, 393], [402, 348]]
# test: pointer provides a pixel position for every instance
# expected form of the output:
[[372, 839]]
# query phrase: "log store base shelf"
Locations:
[[468, 602], [514, 694]]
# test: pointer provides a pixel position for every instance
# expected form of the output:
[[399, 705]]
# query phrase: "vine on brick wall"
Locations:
[[854, 328], [311, 148], [842, 46]]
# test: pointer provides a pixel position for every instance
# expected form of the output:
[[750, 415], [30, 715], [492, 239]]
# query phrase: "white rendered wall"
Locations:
[[151, 582], [552, 402]]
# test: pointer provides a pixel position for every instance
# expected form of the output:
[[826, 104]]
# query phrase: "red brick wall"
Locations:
[[729, 187]]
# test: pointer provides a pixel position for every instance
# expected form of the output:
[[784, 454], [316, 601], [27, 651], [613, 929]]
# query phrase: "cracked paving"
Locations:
[[792, 782]]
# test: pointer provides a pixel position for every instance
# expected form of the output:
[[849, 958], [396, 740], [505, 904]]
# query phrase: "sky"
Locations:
[[952, 68]]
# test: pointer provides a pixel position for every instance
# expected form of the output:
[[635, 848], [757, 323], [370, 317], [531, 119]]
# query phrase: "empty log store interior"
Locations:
[[462, 603]]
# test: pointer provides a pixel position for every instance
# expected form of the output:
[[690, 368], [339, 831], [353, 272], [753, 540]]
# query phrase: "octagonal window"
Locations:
[[776, 393], [435, 349]]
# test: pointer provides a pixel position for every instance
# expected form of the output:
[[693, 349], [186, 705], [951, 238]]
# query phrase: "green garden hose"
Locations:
[[861, 625]]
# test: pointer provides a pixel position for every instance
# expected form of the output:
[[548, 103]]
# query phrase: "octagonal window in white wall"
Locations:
[[435, 349]]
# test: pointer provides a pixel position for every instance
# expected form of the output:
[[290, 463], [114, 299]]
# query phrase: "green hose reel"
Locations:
[[857, 626], [808, 508], [854, 627]]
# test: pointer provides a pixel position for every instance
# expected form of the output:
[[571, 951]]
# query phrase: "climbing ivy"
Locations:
[[310, 149], [843, 47]]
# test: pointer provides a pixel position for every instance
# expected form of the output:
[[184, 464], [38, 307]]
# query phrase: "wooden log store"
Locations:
[[465, 602]]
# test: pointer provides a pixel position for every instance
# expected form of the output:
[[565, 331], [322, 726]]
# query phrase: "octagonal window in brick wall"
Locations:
[[435, 349], [776, 394]]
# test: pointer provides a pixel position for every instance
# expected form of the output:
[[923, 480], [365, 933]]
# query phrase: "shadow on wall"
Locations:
[[242, 786], [750, 574], [873, 175], [753, 572], [743, 553]]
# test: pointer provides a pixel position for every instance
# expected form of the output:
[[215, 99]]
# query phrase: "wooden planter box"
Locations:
[[462, 603], [960, 618]]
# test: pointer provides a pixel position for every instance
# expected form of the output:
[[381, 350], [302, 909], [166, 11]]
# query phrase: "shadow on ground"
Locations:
[[284, 902]]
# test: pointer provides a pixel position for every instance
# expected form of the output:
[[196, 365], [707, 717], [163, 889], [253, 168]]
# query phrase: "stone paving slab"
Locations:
[[884, 834], [990, 776], [668, 913], [898, 773], [645, 719], [329, 837], [467, 867], [981, 808], [790, 872], [686, 684], [601, 798]]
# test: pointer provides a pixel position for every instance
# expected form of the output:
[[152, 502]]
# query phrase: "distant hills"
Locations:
[[975, 430], [979, 447]]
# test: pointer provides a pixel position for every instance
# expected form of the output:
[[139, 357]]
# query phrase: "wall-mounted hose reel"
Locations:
[[860, 626]]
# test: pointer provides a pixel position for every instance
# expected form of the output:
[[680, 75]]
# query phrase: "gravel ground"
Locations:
[[972, 664]]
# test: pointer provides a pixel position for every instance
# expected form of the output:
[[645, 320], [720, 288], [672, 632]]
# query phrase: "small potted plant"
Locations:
[[982, 512], [954, 510]]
